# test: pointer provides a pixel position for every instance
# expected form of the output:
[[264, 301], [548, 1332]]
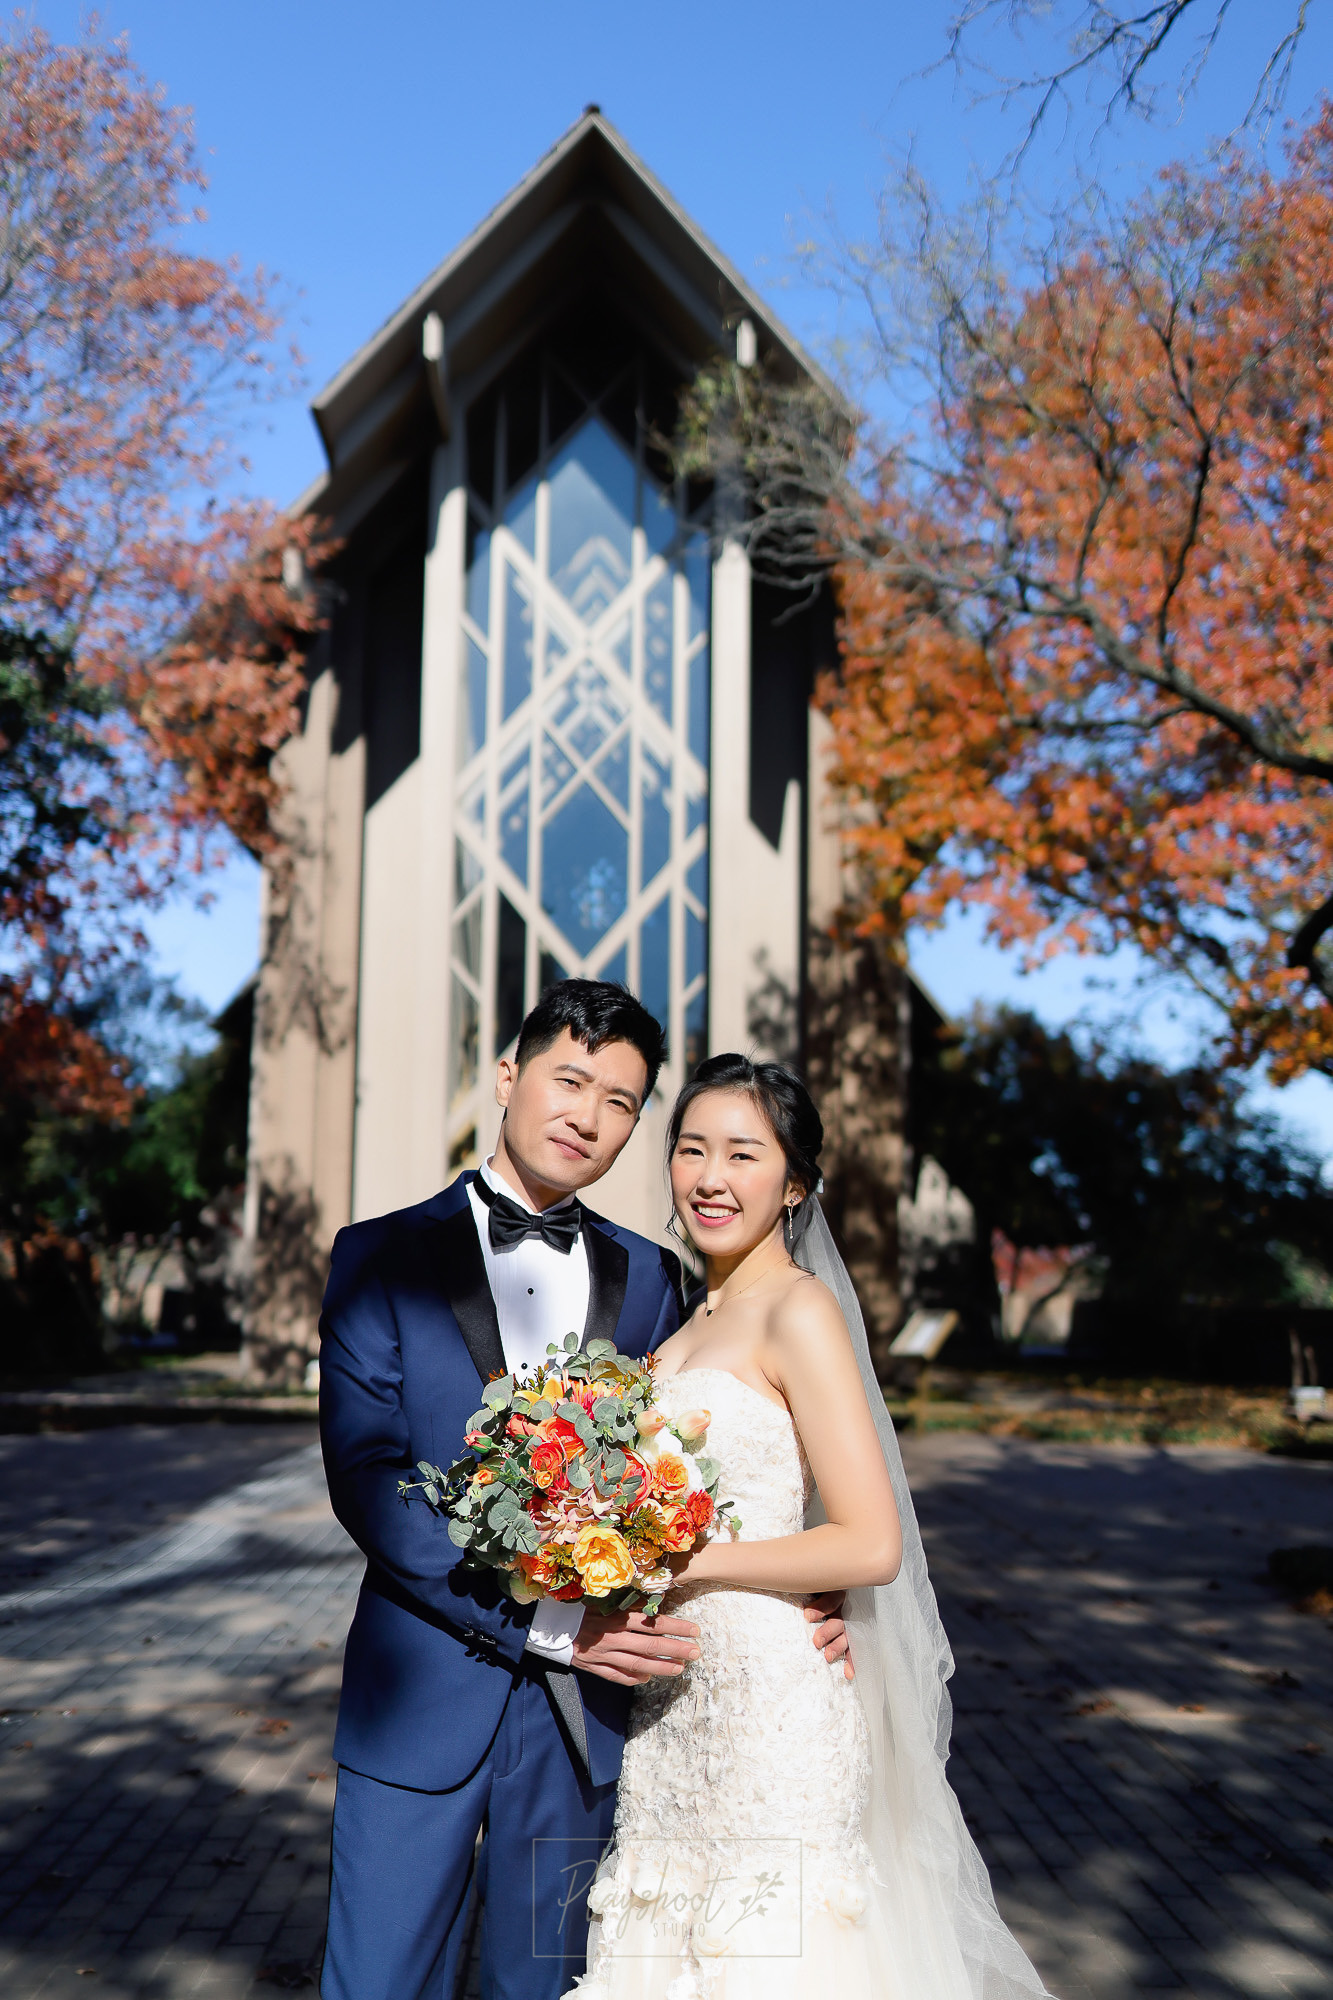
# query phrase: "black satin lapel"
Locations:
[[608, 1278], [463, 1274]]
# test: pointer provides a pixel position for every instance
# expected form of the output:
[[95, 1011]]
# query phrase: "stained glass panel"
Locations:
[[600, 708], [592, 515], [514, 816], [521, 514], [467, 871], [655, 962], [657, 660], [613, 770], [465, 1021], [478, 573], [556, 770], [696, 947], [518, 645], [587, 709], [656, 816], [467, 941], [584, 868]]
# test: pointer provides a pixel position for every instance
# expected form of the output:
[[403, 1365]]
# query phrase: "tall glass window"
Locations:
[[581, 818]]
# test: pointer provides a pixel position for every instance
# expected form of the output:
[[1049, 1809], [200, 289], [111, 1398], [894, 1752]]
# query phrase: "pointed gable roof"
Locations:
[[589, 212]]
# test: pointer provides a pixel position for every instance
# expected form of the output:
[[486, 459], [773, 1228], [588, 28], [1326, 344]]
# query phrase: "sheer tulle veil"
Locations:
[[934, 1885]]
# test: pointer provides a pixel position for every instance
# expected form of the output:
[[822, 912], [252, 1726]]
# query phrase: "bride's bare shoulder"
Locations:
[[806, 1310]]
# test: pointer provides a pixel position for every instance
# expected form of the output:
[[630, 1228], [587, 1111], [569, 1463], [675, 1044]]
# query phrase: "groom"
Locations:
[[463, 1713]]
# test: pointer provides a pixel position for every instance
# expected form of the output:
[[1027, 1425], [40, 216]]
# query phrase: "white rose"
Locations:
[[603, 1896], [710, 1944], [847, 1900], [695, 1477]]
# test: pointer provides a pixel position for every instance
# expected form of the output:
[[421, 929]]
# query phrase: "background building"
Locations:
[[554, 727]]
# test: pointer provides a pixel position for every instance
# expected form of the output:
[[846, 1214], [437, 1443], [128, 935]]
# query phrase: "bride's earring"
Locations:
[[789, 1226]]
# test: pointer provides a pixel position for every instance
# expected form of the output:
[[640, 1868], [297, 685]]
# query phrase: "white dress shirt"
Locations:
[[540, 1295]]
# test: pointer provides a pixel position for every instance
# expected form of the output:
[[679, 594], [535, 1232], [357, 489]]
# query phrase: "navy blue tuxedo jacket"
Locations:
[[408, 1337]]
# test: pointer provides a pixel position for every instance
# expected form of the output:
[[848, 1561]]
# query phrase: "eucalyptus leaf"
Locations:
[[596, 1348], [576, 1476], [460, 1532], [709, 1469]]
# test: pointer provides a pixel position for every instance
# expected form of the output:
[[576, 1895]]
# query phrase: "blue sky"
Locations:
[[350, 148]]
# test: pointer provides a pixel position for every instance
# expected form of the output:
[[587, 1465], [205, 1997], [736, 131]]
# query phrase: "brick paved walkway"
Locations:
[[1151, 1793]]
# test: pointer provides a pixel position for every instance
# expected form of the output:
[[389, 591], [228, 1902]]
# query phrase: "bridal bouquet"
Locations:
[[573, 1485]]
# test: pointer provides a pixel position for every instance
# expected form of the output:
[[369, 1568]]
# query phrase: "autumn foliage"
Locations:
[[1088, 635], [151, 648]]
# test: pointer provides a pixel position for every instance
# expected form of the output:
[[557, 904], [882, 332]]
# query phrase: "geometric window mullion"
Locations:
[[581, 816]]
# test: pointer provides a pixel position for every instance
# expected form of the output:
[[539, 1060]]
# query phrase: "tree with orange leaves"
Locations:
[[1087, 608], [151, 654], [153, 627]]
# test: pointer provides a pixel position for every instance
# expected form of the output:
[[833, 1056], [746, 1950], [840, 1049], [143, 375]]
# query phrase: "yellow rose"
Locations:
[[602, 1559]]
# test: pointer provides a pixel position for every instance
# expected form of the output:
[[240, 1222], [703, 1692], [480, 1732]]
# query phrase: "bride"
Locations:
[[782, 1828]]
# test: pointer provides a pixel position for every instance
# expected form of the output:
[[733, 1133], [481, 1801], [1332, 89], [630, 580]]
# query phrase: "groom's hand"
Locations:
[[629, 1648], [830, 1635]]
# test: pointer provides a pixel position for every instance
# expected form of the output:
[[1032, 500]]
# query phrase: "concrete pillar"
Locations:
[[302, 1090], [406, 890], [754, 922]]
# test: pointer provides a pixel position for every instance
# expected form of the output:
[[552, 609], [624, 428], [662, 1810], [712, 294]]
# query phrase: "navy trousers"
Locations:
[[403, 1865]]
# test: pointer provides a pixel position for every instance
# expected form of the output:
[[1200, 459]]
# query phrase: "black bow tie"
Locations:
[[511, 1225]]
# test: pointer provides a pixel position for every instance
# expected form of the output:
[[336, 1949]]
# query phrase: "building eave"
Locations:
[[589, 167]]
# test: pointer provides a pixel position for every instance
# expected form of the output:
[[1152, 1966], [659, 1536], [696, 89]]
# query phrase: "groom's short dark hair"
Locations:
[[595, 1012]]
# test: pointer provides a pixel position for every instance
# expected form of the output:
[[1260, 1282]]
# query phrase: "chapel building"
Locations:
[[553, 727]]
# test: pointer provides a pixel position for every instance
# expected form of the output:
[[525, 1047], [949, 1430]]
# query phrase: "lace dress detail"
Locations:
[[739, 1867]]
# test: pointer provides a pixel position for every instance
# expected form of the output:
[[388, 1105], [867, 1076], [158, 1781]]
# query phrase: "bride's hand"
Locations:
[[830, 1634]]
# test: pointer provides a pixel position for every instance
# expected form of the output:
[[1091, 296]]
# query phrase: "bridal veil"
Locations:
[[950, 1939]]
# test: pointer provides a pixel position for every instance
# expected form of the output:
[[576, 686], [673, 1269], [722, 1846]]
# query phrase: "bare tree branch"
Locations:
[[1113, 55]]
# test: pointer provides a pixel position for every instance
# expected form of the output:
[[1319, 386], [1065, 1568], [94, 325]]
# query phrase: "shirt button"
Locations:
[[529, 1291]]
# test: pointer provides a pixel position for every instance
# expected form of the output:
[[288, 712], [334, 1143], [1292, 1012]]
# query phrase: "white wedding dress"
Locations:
[[782, 1833], [739, 1867]]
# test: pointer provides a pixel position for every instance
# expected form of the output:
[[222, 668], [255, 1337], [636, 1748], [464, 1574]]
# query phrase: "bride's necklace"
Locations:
[[726, 1298]]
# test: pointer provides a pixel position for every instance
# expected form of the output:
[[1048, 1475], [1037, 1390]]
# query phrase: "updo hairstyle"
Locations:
[[775, 1091]]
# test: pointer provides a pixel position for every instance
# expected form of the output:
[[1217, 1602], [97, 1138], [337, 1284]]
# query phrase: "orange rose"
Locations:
[[563, 1432], [677, 1530], [546, 1462], [603, 1560], [483, 1476], [519, 1427], [670, 1477]]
